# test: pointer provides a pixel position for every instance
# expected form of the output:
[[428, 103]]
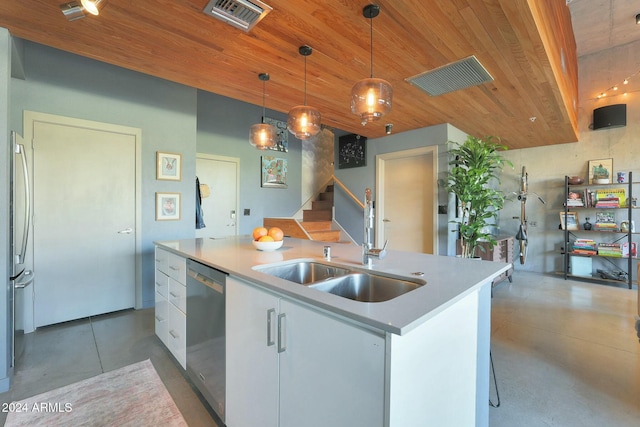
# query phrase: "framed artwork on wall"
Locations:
[[168, 206], [600, 171], [352, 151], [169, 166], [273, 172]]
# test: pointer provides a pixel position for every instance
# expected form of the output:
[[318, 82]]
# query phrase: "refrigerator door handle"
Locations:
[[19, 149], [25, 280]]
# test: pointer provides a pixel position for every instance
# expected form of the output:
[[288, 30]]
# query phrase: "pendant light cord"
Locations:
[[264, 83], [371, 42], [305, 80]]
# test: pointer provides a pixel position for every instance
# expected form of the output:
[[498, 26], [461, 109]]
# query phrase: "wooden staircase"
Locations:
[[316, 222]]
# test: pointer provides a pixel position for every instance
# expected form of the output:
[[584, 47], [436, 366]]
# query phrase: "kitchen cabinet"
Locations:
[[171, 310], [289, 364]]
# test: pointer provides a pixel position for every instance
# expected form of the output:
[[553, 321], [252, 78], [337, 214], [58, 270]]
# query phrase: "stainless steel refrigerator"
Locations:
[[20, 276]]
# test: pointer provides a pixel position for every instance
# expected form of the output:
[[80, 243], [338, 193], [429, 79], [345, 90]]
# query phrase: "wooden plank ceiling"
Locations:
[[527, 46]]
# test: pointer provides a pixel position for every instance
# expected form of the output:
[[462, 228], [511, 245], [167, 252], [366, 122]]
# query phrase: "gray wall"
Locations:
[[69, 85], [349, 215], [223, 129]]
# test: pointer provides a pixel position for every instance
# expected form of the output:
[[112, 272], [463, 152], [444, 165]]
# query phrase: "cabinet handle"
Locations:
[[159, 319], [173, 334], [270, 313], [173, 295], [282, 333], [174, 268]]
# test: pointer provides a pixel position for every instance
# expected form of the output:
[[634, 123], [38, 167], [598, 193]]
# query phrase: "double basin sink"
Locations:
[[354, 284]]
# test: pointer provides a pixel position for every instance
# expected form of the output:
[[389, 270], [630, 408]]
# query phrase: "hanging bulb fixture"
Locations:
[[93, 6], [263, 135], [304, 121], [371, 98]]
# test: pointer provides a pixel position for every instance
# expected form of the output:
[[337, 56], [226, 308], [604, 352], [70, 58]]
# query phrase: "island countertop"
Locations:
[[448, 279]]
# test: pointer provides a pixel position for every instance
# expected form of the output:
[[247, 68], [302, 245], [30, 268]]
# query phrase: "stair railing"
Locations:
[[347, 191]]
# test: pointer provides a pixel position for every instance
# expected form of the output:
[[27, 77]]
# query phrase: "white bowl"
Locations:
[[267, 246]]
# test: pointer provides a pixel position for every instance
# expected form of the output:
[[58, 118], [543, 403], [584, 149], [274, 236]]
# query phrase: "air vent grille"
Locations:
[[451, 77], [241, 14]]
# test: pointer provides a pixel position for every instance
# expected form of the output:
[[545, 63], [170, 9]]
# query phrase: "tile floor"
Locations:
[[566, 354]]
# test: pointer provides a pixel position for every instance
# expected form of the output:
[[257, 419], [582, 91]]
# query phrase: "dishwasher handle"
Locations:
[[218, 287]]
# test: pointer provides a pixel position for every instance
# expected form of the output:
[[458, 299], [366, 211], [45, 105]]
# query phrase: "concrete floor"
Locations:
[[566, 354]]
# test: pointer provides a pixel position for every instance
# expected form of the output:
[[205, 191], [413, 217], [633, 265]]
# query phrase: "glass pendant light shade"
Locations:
[[304, 121], [263, 135], [93, 6], [371, 99]]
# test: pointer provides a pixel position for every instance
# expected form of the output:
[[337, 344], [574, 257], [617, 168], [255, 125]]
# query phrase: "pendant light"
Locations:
[[371, 98], [263, 135], [93, 6], [304, 121]]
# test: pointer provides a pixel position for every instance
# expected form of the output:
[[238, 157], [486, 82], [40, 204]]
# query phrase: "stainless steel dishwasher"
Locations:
[[206, 332]]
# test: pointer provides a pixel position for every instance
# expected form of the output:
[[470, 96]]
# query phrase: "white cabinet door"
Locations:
[[331, 373], [162, 318], [252, 362], [177, 335], [290, 366]]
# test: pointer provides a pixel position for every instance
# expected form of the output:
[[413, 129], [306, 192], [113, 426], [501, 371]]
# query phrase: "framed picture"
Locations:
[[168, 206], [282, 140], [570, 222], [169, 166], [600, 171], [352, 151], [273, 172]]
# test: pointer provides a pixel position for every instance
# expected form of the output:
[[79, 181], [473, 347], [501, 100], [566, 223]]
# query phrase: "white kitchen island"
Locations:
[[419, 359]]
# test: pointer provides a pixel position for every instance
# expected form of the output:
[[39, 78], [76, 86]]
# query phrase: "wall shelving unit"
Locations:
[[625, 213]]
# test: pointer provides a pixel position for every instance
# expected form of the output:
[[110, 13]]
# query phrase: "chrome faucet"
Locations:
[[367, 251]]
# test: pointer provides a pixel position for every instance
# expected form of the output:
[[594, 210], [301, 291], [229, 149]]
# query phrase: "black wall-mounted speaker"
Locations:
[[611, 116]]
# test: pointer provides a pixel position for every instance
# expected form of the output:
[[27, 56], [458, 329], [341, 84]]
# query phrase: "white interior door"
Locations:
[[85, 220], [406, 202], [220, 209]]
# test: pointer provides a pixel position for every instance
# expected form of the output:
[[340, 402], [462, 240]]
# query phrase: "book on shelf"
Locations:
[[629, 250], [610, 249], [584, 247], [605, 221], [610, 198], [575, 200]]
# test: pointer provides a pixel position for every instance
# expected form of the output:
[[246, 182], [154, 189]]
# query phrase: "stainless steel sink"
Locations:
[[367, 287], [304, 272]]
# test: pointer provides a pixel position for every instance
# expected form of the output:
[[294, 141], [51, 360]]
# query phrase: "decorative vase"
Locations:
[[587, 224]]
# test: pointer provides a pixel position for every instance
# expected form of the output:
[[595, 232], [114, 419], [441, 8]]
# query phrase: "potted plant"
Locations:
[[475, 165]]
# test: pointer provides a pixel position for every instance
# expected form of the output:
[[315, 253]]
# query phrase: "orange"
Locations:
[[258, 232], [265, 239], [276, 233]]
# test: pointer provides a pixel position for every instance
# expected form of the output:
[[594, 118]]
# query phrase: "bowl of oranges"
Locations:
[[267, 239]]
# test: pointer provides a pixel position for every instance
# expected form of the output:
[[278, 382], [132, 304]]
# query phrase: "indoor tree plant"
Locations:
[[475, 165]]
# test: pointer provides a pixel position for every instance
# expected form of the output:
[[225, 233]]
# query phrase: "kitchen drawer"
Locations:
[[162, 318], [162, 260], [177, 268], [178, 295], [178, 335], [162, 284]]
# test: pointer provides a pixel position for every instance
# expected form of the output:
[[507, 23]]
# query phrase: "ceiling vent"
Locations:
[[241, 14], [451, 77]]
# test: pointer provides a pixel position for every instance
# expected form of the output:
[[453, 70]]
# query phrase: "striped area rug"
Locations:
[[129, 396]]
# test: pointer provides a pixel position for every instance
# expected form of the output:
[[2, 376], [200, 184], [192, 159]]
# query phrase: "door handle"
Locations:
[[282, 345], [386, 220], [126, 231], [270, 313]]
